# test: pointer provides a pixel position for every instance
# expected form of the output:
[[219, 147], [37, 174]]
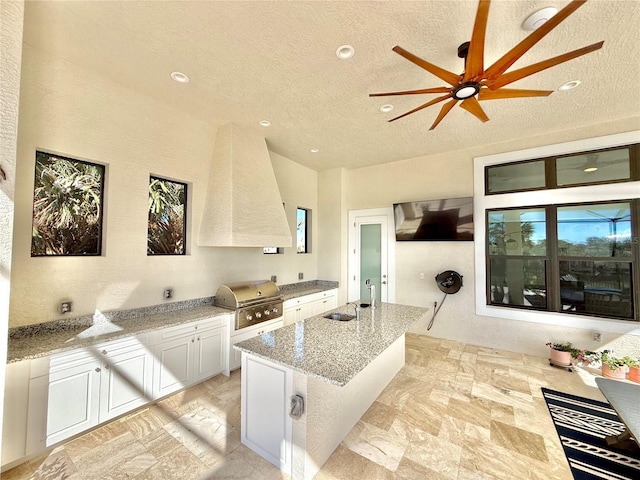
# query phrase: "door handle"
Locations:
[[384, 282]]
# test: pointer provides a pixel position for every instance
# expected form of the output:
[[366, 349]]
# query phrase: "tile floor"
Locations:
[[455, 411]]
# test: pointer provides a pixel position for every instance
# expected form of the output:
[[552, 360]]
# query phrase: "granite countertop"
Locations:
[[295, 290], [44, 339], [33, 341], [331, 350]]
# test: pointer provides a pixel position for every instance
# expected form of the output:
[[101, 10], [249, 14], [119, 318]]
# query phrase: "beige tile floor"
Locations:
[[455, 411]]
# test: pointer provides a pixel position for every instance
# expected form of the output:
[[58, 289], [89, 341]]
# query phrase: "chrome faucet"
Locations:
[[357, 307], [372, 292]]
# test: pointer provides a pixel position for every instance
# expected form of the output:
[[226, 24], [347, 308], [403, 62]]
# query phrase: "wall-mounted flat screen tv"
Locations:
[[449, 219]]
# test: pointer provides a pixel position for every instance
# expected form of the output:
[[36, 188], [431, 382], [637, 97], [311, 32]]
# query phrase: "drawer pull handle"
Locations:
[[104, 352], [107, 367], [98, 369]]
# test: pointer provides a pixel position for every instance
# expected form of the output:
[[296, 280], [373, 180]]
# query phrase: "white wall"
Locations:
[[72, 112], [451, 175]]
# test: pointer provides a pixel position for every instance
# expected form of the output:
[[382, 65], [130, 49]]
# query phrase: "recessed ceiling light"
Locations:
[[386, 108], [314, 150], [568, 85], [179, 77], [537, 19], [344, 52], [264, 123]]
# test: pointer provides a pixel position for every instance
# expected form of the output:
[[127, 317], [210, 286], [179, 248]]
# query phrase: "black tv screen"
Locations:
[[449, 219]]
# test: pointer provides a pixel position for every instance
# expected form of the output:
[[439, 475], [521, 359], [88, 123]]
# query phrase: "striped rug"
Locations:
[[582, 425]]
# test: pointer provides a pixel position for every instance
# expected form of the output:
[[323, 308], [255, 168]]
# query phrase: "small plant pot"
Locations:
[[634, 374], [559, 358], [619, 374]]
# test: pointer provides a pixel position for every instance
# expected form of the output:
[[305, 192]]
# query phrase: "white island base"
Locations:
[[300, 446]]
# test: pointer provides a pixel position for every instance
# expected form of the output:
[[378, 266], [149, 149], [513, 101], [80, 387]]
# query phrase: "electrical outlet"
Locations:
[[168, 293], [65, 307], [597, 336], [300, 276], [274, 279]]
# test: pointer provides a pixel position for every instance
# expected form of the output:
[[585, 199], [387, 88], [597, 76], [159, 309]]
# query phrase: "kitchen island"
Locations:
[[338, 368]]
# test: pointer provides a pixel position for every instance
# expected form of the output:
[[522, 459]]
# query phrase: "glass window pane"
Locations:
[[67, 207], [515, 176], [301, 230], [600, 288], [166, 232], [593, 167], [517, 232], [370, 257], [516, 281], [595, 230]]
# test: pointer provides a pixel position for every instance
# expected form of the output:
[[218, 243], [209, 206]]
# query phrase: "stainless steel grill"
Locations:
[[253, 302]]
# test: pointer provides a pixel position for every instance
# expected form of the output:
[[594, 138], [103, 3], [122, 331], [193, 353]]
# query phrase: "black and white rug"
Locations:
[[582, 425]]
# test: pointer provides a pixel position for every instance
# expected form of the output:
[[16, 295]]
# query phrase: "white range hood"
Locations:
[[243, 207]]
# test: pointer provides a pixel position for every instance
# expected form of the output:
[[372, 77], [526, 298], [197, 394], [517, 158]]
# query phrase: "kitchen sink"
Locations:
[[343, 317]]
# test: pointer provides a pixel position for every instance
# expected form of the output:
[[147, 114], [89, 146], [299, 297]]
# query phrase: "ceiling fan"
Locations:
[[477, 83]]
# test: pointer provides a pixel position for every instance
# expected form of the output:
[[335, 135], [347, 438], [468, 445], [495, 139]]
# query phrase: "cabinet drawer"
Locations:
[[178, 331]]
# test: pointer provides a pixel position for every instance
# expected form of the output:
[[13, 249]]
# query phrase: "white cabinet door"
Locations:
[[125, 383], [290, 315], [172, 365], [16, 395], [210, 353], [73, 398], [235, 356]]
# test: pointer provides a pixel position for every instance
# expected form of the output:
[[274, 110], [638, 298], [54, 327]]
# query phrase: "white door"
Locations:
[[371, 254], [172, 365], [210, 353]]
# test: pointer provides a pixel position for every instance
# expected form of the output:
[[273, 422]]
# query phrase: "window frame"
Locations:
[[564, 195], [184, 216], [101, 209], [307, 230]]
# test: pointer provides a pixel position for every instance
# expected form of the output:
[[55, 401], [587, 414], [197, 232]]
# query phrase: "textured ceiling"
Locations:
[[276, 60]]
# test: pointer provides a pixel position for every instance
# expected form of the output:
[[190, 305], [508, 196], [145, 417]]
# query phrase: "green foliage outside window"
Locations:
[[67, 207], [167, 226]]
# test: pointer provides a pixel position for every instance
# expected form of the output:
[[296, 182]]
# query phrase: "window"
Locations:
[[167, 229], [303, 219], [589, 259], [568, 255], [67, 206]]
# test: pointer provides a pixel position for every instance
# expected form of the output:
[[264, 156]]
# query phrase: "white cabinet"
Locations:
[[307, 306], [73, 394], [125, 380], [16, 397], [235, 356], [187, 354]]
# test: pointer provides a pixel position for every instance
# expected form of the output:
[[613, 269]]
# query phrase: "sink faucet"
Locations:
[[372, 292], [357, 307]]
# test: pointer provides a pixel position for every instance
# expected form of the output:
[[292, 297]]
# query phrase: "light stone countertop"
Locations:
[[332, 350], [33, 341], [50, 340]]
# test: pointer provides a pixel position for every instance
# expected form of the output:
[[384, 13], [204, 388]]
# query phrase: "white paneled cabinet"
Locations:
[[50, 399], [306, 306], [187, 354], [235, 356]]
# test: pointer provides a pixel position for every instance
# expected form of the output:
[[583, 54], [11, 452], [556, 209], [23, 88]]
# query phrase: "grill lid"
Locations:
[[236, 295]]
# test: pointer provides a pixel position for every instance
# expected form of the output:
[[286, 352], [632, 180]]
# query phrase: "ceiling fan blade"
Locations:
[[445, 75], [486, 94], [509, 58], [511, 77], [425, 105], [446, 108], [413, 92], [472, 106], [474, 64]]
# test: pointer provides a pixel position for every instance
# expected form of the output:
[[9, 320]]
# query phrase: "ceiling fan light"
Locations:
[[386, 108], [539, 18]]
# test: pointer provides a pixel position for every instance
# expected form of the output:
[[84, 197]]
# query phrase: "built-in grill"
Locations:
[[253, 302]]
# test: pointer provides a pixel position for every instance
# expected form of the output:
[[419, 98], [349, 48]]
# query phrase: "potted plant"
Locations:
[[561, 353], [634, 370], [614, 367]]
